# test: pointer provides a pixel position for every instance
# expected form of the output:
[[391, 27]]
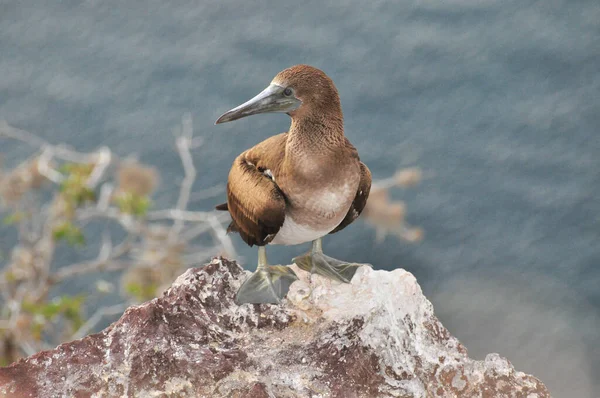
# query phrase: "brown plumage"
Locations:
[[310, 179]]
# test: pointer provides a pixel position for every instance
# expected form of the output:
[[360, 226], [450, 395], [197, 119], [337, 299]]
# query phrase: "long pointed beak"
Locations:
[[271, 99]]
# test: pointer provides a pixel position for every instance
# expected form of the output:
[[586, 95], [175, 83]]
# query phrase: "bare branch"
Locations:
[[28, 348], [184, 142], [129, 223], [104, 197], [106, 249], [69, 155], [44, 167], [180, 215], [20, 135], [193, 232], [221, 235], [208, 193], [103, 160], [107, 260], [91, 323]]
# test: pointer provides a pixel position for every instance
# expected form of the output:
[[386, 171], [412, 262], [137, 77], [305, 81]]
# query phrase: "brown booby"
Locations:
[[298, 186]]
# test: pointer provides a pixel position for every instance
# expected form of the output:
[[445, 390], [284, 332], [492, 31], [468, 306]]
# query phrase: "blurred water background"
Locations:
[[497, 101]]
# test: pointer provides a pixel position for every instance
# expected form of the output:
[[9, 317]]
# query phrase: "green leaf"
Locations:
[[36, 330], [70, 307], [70, 233], [74, 188], [84, 169], [10, 276], [141, 292], [14, 218], [135, 205]]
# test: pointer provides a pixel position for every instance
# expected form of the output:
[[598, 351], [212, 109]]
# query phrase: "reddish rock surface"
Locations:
[[375, 337]]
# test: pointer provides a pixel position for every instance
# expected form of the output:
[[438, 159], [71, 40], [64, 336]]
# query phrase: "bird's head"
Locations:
[[297, 91]]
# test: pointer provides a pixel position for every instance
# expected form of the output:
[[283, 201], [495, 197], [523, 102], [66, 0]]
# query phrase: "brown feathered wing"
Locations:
[[255, 202]]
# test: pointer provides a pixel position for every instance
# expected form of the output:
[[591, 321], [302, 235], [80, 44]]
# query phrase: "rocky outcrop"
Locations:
[[375, 337]]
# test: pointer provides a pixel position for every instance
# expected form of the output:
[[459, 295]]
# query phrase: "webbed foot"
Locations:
[[316, 262], [268, 285]]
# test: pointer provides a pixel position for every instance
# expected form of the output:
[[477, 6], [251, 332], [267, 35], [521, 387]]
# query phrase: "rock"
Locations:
[[375, 337]]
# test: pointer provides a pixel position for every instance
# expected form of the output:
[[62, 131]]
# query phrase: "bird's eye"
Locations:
[[287, 92]]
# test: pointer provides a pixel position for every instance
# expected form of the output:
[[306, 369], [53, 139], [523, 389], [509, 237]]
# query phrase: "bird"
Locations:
[[298, 186]]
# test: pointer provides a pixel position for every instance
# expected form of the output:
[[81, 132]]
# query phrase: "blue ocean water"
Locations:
[[497, 101]]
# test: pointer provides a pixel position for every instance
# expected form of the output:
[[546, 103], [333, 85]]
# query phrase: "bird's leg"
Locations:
[[269, 284], [316, 262]]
